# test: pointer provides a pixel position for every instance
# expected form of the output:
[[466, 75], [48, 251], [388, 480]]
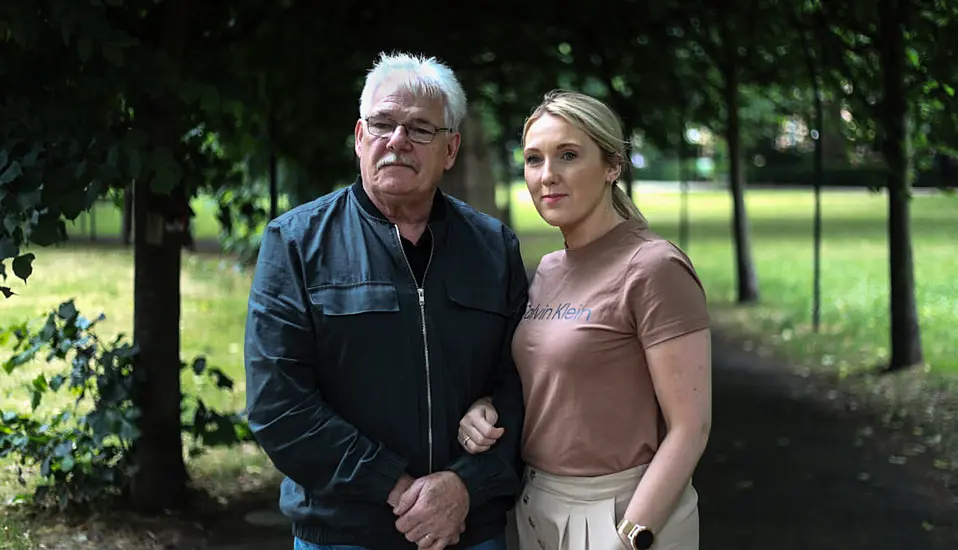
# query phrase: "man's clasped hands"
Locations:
[[431, 509]]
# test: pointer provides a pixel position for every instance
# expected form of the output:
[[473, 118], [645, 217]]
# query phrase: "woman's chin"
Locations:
[[554, 221]]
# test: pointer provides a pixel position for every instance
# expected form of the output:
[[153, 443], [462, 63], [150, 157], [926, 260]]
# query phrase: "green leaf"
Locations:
[[11, 173], [48, 230], [72, 203], [222, 380], [85, 48], [113, 155], [67, 464], [3, 158], [199, 365], [67, 310], [29, 199], [913, 57], [128, 430], [65, 448], [8, 248], [57, 382], [32, 156], [20, 359], [6, 291], [11, 222], [23, 266]]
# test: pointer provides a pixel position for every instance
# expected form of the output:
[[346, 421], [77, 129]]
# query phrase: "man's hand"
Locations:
[[401, 486], [432, 512]]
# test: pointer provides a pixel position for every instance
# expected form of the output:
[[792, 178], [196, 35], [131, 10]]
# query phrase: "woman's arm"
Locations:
[[681, 370]]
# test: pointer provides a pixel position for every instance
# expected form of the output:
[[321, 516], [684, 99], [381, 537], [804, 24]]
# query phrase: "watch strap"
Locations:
[[629, 530]]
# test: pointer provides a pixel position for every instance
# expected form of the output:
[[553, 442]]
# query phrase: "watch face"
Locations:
[[643, 539]]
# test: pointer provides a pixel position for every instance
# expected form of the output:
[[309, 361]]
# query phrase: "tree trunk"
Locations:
[[817, 218], [127, 215], [160, 481], [906, 350], [273, 182], [683, 189], [505, 162], [471, 179], [745, 267], [820, 143]]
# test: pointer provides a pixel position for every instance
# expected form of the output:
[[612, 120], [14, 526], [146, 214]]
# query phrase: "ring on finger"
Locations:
[[466, 440]]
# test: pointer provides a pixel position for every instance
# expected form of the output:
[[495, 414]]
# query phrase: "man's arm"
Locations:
[[306, 440], [498, 471]]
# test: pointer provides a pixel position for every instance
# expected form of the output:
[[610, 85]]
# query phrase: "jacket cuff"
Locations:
[[388, 467], [470, 470]]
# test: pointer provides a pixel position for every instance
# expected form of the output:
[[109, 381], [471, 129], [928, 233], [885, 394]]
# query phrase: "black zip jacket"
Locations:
[[356, 374]]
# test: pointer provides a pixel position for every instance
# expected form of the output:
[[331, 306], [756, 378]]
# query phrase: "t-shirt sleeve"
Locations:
[[665, 297]]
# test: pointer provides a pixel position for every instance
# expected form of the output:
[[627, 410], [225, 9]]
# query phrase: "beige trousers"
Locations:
[[578, 513]]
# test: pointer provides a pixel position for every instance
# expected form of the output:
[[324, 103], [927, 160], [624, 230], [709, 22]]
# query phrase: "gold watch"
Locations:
[[640, 537]]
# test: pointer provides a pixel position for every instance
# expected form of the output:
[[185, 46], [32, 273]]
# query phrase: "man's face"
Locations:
[[395, 164]]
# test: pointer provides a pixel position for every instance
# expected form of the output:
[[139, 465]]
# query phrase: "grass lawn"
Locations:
[[854, 284]]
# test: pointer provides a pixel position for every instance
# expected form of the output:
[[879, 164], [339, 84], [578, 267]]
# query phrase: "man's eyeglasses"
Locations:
[[419, 132]]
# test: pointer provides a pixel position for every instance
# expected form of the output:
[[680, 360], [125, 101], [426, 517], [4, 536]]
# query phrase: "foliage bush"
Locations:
[[84, 454]]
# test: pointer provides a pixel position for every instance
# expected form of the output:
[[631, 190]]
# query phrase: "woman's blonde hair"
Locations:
[[601, 124]]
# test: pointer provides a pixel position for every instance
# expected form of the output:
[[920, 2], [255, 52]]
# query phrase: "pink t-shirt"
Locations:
[[590, 404]]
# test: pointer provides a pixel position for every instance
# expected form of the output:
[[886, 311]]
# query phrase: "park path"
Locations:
[[782, 472]]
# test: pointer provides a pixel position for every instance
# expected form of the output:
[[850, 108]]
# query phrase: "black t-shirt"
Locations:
[[417, 254]]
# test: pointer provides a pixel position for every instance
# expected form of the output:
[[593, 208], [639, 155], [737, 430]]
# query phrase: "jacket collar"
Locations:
[[438, 212], [438, 216]]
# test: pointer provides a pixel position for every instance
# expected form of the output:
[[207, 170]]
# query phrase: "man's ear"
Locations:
[[359, 132], [452, 149]]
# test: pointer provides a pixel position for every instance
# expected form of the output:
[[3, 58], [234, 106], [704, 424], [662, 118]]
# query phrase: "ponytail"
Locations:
[[624, 206]]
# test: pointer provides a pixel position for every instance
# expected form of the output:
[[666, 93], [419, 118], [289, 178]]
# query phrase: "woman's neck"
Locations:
[[590, 228]]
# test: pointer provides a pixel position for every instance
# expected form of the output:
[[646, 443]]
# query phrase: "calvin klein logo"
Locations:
[[561, 312]]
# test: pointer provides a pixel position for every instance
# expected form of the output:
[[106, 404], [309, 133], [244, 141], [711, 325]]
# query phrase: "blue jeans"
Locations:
[[498, 543]]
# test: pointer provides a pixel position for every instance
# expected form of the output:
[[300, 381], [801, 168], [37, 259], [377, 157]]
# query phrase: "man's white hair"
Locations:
[[422, 76]]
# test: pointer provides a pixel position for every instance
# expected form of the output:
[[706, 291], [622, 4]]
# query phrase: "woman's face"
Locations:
[[565, 171]]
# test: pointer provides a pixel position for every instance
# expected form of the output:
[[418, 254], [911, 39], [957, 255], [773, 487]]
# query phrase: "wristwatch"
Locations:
[[639, 536]]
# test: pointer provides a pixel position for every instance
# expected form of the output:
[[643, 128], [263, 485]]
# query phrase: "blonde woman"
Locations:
[[614, 353]]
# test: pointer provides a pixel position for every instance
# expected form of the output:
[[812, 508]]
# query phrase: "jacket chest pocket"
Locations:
[[348, 316], [481, 315], [338, 300]]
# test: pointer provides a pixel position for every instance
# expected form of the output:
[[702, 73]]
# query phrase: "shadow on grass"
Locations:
[[229, 488]]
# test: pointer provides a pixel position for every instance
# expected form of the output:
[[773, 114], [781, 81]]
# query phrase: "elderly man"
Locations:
[[378, 314]]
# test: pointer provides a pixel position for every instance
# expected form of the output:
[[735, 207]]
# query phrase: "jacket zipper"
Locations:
[[422, 316]]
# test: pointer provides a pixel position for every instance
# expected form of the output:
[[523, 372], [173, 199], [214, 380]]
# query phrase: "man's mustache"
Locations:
[[394, 159]]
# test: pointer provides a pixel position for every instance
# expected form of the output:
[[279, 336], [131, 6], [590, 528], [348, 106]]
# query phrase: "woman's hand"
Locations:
[[477, 430]]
